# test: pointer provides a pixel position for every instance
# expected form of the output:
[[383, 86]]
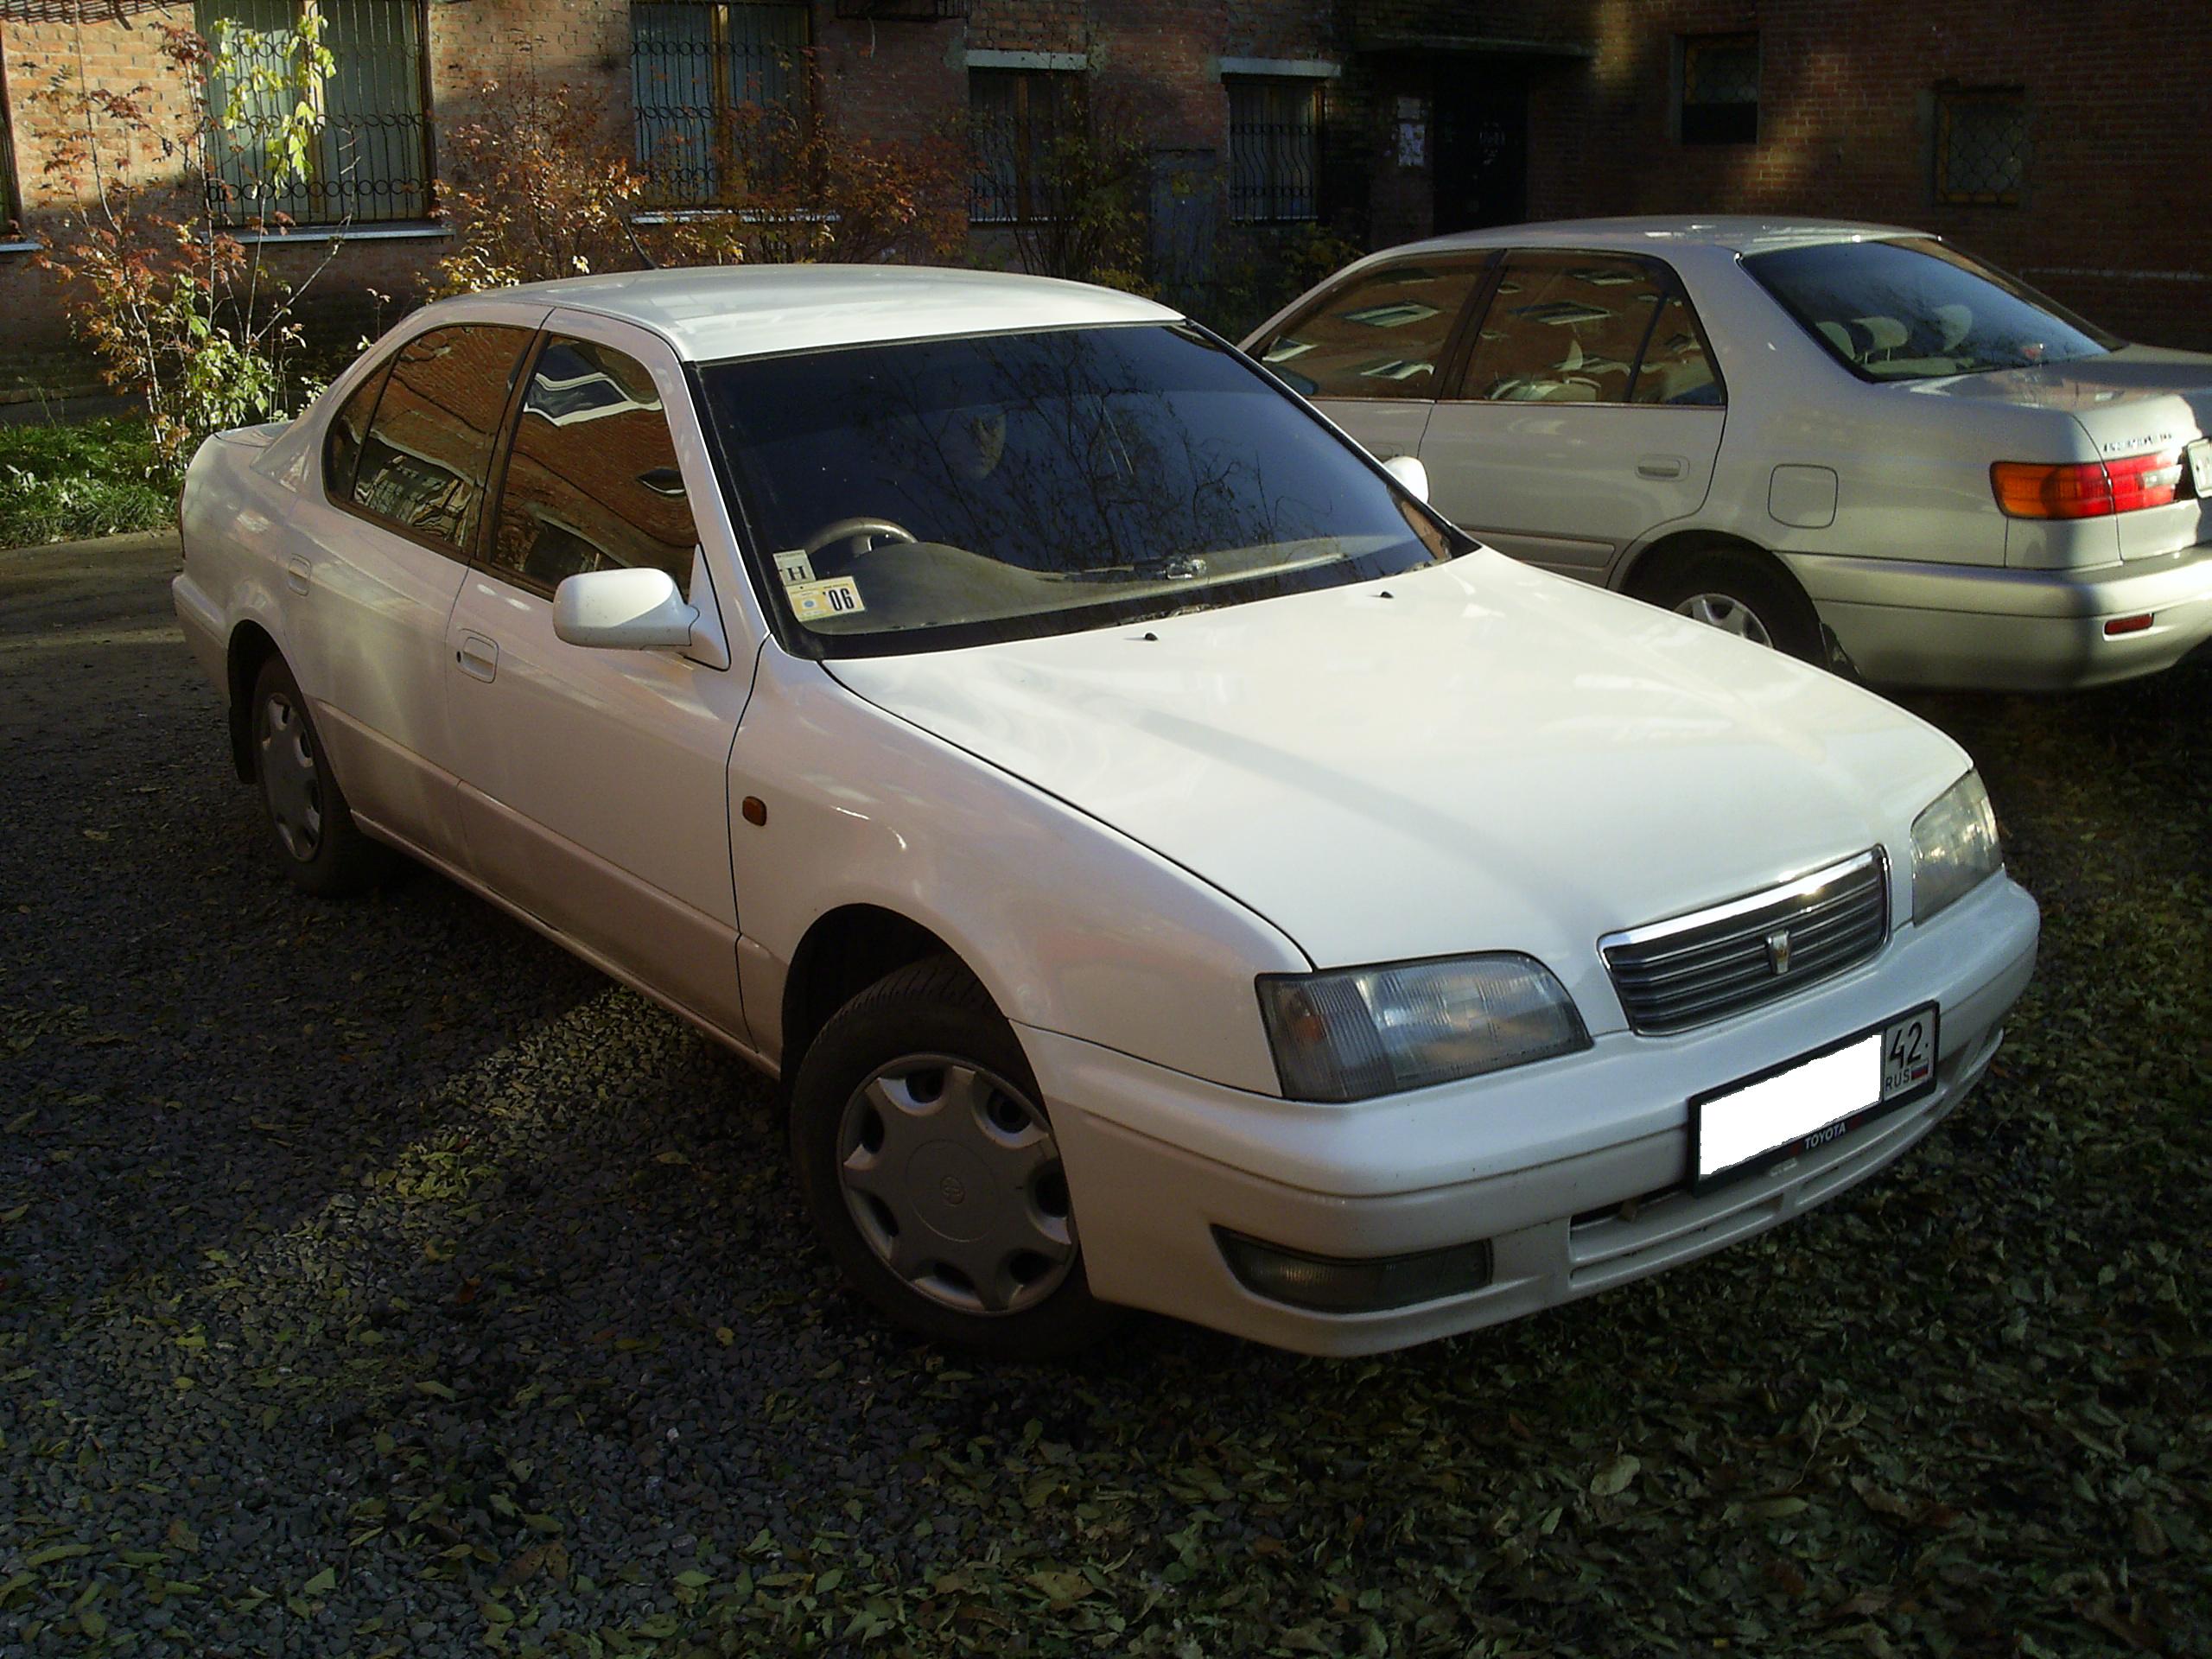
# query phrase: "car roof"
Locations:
[[710, 312], [1740, 232]]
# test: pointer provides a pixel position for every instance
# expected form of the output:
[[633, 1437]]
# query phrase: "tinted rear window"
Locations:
[[1914, 310]]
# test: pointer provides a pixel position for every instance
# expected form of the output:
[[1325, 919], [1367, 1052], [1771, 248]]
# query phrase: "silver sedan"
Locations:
[[1851, 443]]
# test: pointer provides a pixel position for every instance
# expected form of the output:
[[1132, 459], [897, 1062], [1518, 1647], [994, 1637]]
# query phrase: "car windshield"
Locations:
[[1913, 309], [945, 493]]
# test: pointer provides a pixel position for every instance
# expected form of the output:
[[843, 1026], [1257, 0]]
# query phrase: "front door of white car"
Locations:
[[1585, 414], [405, 467], [593, 781]]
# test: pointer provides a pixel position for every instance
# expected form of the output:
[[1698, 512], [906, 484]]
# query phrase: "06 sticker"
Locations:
[[814, 601]]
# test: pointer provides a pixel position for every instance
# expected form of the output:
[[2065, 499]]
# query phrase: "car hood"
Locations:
[[1478, 756], [2138, 399]]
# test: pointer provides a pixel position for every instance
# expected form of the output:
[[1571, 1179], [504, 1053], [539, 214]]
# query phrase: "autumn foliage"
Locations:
[[548, 186], [182, 313]]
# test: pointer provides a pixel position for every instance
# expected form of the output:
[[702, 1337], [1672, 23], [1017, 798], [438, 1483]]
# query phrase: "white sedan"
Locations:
[[1169, 866], [1852, 443]]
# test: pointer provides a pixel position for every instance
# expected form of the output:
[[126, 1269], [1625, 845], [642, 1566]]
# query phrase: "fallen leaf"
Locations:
[[1614, 1477]]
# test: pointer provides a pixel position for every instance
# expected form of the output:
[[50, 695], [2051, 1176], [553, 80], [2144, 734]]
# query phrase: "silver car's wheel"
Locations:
[[1727, 613], [952, 1175], [289, 782], [1740, 591]]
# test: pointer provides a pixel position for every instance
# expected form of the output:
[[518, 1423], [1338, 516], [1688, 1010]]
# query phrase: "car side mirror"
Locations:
[[636, 608], [1409, 471]]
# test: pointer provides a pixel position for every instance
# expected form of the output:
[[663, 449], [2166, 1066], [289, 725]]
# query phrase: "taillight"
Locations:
[[2086, 489]]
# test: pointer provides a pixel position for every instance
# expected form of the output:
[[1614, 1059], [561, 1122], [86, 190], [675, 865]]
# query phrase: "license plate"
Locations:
[[2200, 468], [1803, 1104]]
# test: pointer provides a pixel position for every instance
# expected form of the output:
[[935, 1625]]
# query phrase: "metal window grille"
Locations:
[[713, 87], [1720, 88], [1016, 117], [370, 163], [1274, 151], [1981, 146], [11, 207]]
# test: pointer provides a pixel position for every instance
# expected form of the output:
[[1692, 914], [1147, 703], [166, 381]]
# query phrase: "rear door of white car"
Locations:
[[405, 466], [1371, 351], [1583, 412], [593, 782]]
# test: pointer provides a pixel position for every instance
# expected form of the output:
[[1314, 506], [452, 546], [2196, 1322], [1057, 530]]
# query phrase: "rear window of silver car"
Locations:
[[1910, 308], [936, 493]]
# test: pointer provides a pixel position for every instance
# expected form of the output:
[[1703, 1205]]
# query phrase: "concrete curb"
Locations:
[[123, 545]]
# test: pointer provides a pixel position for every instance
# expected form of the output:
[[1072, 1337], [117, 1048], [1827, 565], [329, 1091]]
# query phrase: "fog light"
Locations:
[[2121, 624], [1329, 1284]]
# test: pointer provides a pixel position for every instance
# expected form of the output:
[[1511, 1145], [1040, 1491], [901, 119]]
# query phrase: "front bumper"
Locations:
[[1995, 628], [1540, 1162]]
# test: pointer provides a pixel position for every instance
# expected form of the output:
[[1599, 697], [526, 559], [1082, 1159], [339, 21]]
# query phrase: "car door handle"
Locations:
[[295, 573], [1661, 466], [478, 657]]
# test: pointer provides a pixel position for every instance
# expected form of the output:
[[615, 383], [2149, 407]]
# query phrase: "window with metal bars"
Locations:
[[1720, 88], [1274, 149], [718, 87], [370, 163], [11, 208], [1017, 117], [1981, 145]]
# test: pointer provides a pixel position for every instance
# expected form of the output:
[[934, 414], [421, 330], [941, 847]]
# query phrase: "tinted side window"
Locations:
[[592, 481], [1382, 337], [342, 448], [424, 462], [1562, 328], [1676, 368]]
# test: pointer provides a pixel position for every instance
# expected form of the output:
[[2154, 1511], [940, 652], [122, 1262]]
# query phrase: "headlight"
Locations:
[[1953, 847], [1359, 1032]]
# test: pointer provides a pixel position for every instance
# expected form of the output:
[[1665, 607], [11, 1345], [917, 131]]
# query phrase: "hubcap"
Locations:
[[1727, 614], [289, 782], [953, 1177]]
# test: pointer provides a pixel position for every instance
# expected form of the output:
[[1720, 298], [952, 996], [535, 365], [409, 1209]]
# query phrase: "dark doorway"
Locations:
[[1482, 144]]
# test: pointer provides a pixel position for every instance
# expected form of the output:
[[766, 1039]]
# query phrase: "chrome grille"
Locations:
[[1696, 969]]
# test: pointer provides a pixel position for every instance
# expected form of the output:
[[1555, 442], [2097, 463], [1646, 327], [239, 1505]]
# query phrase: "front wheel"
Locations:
[[1742, 594], [930, 1171]]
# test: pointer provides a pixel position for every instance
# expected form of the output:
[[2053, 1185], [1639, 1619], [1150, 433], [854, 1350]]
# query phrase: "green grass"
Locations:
[[92, 478]]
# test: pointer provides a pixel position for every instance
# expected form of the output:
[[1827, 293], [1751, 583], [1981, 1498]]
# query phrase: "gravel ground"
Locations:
[[374, 1279]]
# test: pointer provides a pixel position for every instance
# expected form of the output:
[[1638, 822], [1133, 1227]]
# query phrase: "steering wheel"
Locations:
[[861, 532]]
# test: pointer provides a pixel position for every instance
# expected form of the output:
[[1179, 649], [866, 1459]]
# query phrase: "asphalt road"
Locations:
[[376, 1279]]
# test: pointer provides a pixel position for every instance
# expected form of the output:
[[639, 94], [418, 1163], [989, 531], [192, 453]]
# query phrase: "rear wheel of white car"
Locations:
[[931, 1172], [321, 848], [1743, 594]]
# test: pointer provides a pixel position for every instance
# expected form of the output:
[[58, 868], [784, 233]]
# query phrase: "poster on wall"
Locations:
[[1412, 133]]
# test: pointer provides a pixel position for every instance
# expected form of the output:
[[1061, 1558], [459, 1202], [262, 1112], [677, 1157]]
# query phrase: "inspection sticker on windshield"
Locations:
[[794, 567], [812, 601]]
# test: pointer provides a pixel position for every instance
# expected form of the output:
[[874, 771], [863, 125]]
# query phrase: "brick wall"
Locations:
[[2120, 104], [2120, 101]]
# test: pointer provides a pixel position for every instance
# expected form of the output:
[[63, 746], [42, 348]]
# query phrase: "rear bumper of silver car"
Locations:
[[1972, 627]]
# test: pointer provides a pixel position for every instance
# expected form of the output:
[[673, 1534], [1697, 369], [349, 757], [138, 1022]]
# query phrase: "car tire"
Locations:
[[318, 844], [1744, 594], [931, 1172]]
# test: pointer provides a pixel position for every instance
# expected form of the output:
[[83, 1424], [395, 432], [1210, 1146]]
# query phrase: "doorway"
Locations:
[[1481, 171]]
